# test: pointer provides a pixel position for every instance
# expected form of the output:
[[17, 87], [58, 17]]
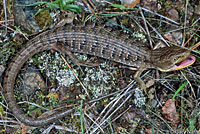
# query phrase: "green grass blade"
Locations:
[[74, 8], [179, 89], [81, 116], [118, 6]]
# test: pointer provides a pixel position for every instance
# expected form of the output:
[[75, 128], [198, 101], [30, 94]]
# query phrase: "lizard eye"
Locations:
[[174, 59]]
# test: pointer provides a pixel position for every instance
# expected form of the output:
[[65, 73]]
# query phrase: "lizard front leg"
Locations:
[[143, 66], [138, 79]]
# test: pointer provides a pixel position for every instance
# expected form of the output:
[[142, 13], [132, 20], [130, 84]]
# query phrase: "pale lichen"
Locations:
[[139, 99], [65, 77], [98, 80]]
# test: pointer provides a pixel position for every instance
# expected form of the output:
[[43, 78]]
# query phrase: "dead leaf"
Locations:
[[148, 131], [26, 129], [173, 37], [130, 3], [169, 112]]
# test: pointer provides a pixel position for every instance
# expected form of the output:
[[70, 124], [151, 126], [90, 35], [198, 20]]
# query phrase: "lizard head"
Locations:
[[171, 58]]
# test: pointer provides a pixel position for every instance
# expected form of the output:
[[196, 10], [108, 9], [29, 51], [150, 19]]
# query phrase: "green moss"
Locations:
[[6, 51], [43, 19]]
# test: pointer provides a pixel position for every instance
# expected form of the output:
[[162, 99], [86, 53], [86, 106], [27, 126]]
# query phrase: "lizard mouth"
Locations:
[[185, 63]]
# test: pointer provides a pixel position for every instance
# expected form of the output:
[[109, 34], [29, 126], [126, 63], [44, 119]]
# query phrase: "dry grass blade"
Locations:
[[89, 6], [195, 46], [113, 104], [185, 21], [160, 16], [74, 74], [190, 39], [147, 30], [10, 20], [6, 19]]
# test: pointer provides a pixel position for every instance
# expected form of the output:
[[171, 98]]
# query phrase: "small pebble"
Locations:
[[173, 14]]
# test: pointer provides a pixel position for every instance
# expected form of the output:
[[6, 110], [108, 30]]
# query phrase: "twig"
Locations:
[[92, 5], [195, 22], [95, 123], [136, 22], [5, 15], [195, 46], [159, 15], [46, 131], [190, 38], [3, 21], [130, 85], [66, 129], [158, 34], [145, 24], [88, 5], [74, 74], [185, 22], [189, 84], [30, 103], [157, 115], [103, 120], [16, 31]]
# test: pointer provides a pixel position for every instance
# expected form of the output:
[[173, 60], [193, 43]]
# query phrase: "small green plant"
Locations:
[[58, 4]]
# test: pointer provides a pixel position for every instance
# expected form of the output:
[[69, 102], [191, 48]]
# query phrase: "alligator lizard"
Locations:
[[93, 41]]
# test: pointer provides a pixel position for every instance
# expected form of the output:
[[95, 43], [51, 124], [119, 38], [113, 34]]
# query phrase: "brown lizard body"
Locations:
[[93, 41]]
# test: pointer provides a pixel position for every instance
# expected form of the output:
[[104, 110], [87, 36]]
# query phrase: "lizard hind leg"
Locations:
[[62, 49]]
